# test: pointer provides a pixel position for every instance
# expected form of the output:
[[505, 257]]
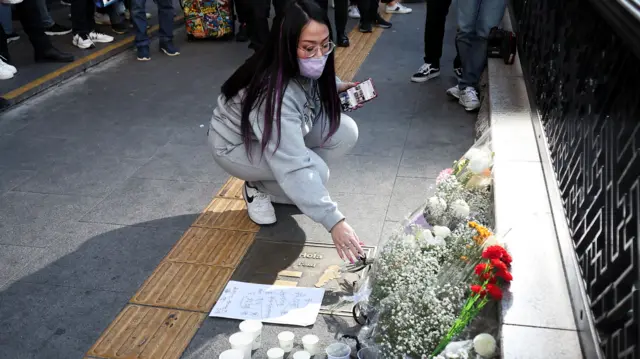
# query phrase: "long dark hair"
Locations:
[[267, 73]]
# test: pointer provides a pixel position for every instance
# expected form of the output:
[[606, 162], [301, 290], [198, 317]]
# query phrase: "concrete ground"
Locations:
[[101, 176]]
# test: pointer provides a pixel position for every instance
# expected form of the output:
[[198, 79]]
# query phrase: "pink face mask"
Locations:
[[312, 67]]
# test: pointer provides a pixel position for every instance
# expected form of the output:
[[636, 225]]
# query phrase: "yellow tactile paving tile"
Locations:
[[219, 247], [224, 213], [349, 59], [183, 286], [232, 189], [141, 332]]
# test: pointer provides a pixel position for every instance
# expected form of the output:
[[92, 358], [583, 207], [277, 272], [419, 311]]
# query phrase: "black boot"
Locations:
[[53, 55], [343, 40]]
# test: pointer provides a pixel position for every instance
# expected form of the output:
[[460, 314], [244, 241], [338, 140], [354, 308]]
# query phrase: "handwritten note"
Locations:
[[269, 304]]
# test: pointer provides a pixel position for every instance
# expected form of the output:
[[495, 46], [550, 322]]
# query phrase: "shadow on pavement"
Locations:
[[59, 305]]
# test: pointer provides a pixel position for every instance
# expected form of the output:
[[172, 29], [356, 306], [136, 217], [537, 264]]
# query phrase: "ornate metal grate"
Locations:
[[585, 79]]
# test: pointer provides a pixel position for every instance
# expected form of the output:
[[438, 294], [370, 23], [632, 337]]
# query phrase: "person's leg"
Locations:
[[6, 19], [337, 145], [258, 24], [243, 8], [79, 21], [165, 18], [341, 18], [47, 20], [437, 11], [434, 26], [467, 41], [139, 20], [116, 19], [29, 16], [255, 171], [4, 49], [366, 18]]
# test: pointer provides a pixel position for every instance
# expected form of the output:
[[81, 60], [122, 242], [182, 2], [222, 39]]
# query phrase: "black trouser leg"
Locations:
[[437, 11], [341, 14], [31, 21], [279, 5], [82, 19], [242, 9], [323, 4], [4, 49], [368, 11], [257, 21]]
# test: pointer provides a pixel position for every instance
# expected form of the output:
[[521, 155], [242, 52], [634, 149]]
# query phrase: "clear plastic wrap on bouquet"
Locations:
[[420, 274]]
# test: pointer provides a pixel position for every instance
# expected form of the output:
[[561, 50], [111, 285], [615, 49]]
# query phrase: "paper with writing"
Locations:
[[269, 304]]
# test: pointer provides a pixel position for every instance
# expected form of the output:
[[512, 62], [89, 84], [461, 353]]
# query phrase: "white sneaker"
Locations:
[[6, 67], [426, 72], [10, 2], [259, 206], [354, 13], [83, 41], [5, 73], [454, 92], [102, 19], [398, 9], [469, 99], [100, 37]]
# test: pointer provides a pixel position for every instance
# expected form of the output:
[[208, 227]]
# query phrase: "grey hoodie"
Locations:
[[291, 163]]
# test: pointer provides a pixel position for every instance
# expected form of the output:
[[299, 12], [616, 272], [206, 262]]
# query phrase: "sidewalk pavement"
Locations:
[[100, 178]]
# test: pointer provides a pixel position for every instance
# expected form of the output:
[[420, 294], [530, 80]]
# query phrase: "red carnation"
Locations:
[[505, 275], [477, 289], [494, 291], [499, 265], [493, 252], [482, 268], [506, 257]]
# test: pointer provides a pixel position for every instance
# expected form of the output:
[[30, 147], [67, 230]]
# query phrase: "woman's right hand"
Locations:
[[346, 241]]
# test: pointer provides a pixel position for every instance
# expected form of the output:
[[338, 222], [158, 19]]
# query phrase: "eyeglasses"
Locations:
[[325, 49]]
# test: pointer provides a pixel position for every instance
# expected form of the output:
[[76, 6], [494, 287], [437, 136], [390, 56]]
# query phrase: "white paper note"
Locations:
[[270, 304]]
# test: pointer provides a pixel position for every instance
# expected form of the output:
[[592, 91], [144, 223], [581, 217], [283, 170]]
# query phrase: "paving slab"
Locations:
[[144, 200], [91, 256]]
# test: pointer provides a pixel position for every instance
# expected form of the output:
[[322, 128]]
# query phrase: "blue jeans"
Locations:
[[5, 18], [476, 18], [165, 20], [47, 20]]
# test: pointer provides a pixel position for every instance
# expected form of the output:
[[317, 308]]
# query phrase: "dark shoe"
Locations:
[[143, 53], [343, 40], [169, 48], [120, 28], [53, 55], [382, 23], [366, 27], [57, 29], [242, 35]]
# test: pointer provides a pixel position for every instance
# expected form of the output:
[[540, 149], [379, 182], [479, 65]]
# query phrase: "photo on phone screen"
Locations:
[[357, 95]]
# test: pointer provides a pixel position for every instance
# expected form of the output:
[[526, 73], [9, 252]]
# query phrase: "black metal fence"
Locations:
[[582, 64]]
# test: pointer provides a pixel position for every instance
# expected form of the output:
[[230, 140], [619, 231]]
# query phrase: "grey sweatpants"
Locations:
[[257, 171]]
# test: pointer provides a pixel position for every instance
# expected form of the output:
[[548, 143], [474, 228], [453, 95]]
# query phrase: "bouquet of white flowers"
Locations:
[[432, 276]]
